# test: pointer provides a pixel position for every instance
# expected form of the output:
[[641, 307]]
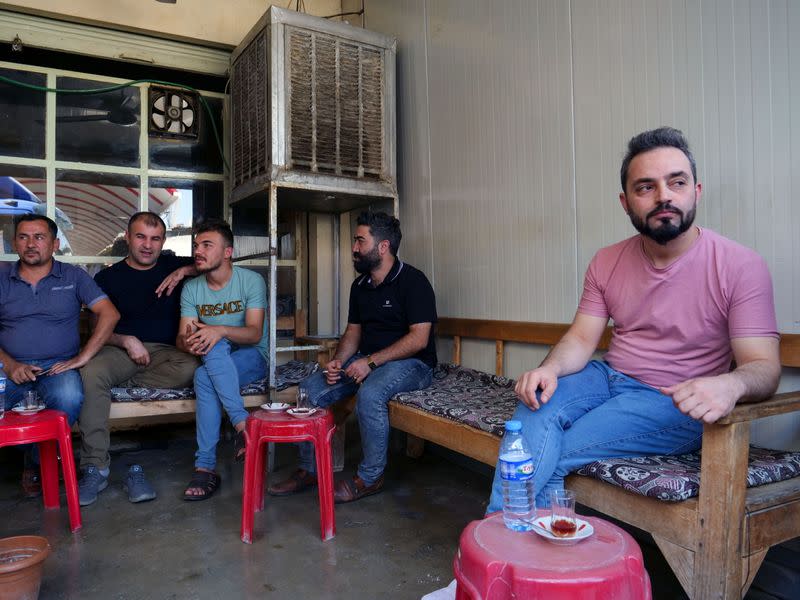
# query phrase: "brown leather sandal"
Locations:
[[239, 446], [297, 482], [349, 490]]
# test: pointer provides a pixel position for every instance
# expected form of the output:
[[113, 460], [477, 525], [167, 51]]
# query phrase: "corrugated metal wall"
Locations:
[[514, 116]]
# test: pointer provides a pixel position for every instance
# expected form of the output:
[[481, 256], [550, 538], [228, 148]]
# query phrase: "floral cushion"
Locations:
[[286, 375], [467, 396], [676, 478]]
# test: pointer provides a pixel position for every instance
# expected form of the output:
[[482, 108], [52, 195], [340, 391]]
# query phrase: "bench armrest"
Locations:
[[776, 405]]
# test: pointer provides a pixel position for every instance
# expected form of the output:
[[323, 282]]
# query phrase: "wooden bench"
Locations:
[[715, 542], [133, 414]]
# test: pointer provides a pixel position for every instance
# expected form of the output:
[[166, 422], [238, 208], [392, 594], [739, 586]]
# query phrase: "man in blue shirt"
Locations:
[[40, 303]]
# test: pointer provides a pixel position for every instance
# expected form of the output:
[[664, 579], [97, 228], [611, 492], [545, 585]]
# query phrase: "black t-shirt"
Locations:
[[385, 312], [133, 292]]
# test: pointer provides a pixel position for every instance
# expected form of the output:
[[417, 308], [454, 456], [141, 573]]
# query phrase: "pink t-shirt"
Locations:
[[676, 323]]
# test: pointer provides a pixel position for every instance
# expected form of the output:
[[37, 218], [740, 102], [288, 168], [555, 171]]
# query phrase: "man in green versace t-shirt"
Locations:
[[222, 322]]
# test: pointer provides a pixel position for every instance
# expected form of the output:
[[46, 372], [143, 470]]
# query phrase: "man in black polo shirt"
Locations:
[[140, 353], [387, 348]]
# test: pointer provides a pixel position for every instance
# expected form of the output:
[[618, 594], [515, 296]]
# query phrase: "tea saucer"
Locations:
[[301, 413], [275, 406], [27, 411], [541, 525]]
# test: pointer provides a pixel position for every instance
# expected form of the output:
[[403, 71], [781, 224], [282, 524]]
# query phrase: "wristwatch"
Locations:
[[371, 363]]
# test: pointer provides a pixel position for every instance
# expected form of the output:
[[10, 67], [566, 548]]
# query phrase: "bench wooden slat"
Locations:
[[466, 440]]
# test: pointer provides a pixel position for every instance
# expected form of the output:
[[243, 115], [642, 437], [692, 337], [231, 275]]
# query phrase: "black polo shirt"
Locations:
[[385, 312]]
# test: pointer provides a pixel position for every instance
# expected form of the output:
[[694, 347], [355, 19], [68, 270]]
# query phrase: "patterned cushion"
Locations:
[[467, 396], [286, 375], [676, 478]]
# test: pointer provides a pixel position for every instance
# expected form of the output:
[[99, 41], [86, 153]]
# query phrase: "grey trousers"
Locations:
[[112, 367]]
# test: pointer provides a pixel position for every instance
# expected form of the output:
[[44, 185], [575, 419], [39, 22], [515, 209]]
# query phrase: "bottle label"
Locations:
[[520, 470]]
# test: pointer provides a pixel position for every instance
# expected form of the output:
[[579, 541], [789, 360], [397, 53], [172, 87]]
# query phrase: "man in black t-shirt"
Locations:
[[140, 353], [387, 348]]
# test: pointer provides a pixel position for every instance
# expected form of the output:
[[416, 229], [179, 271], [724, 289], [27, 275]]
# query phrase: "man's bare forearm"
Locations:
[[104, 327], [406, 347], [569, 355], [347, 346], [757, 380], [119, 340]]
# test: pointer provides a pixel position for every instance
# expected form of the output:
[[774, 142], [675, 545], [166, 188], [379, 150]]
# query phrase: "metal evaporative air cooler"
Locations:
[[312, 126], [313, 110]]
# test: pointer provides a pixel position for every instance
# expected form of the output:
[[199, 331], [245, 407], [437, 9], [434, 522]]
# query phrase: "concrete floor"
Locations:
[[395, 545]]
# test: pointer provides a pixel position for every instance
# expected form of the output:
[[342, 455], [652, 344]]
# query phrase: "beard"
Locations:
[[667, 230], [207, 266], [364, 263]]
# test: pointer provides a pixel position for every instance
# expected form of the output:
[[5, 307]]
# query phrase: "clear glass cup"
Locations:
[[302, 398], [562, 513], [30, 400]]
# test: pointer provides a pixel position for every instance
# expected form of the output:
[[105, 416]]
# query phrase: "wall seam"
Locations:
[[578, 278], [425, 21]]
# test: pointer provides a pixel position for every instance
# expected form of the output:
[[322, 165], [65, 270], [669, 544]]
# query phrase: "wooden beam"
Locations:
[[721, 509], [498, 357], [777, 405], [680, 559], [546, 334]]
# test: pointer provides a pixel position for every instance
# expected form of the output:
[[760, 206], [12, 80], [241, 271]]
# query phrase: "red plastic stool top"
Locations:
[[265, 426], [495, 563], [47, 428]]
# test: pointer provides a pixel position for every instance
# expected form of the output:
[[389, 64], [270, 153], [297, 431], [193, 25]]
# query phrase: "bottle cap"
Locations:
[[513, 425]]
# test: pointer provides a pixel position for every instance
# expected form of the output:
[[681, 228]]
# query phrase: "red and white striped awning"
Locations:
[[92, 216]]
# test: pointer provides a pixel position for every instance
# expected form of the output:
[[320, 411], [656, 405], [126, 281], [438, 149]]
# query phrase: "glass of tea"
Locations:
[[302, 399], [562, 513]]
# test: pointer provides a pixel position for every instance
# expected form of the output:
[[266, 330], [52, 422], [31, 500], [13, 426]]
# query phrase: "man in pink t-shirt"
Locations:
[[684, 302]]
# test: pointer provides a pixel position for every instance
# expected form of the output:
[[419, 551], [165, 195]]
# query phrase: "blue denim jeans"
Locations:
[[225, 369], [594, 414], [62, 392], [372, 398]]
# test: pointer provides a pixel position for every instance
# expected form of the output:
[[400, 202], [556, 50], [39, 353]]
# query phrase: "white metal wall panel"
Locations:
[[501, 228], [406, 20]]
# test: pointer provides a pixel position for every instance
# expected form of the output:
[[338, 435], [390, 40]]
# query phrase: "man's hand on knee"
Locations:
[[531, 381]]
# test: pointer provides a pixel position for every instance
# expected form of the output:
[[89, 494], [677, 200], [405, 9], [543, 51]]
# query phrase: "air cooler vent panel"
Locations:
[[311, 97], [336, 104], [251, 123]]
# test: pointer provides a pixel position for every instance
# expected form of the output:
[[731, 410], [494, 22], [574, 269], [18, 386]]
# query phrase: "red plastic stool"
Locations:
[[495, 563], [263, 427], [47, 428]]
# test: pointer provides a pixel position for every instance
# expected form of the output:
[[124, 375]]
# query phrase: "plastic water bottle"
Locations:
[[516, 472], [2, 391]]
